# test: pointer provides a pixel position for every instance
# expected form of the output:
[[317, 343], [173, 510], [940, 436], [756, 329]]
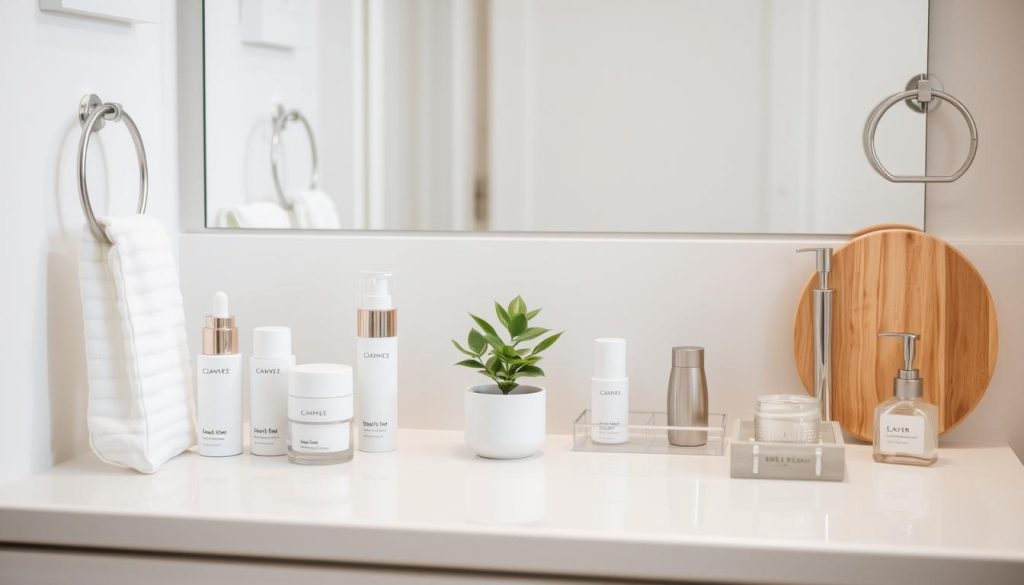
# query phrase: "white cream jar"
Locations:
[[320, 414], [787, 418]]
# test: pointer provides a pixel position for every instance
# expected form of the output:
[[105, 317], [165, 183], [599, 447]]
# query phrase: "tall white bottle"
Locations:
[[377, 365], [219, 388], [609, 392], [268, 390]]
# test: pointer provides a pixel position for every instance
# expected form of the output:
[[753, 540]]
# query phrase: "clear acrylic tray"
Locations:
[[648, 433], [824, 460]]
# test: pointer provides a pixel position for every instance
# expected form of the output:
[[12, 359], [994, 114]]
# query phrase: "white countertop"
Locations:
[[662, 517]]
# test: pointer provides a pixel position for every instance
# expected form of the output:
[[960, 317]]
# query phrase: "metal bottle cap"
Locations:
[[908, 383], [688, 356]]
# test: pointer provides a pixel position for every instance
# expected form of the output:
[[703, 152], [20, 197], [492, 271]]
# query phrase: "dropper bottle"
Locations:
[[219, 384]]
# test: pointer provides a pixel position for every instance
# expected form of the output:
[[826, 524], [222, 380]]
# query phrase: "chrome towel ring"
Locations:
[[281, 119], [924, 94], [93, 114]]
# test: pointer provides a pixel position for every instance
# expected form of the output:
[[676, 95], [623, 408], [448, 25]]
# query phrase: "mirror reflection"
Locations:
[[660, 116]]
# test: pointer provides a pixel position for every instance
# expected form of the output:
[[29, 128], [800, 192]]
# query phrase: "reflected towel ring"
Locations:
[[281, 119], [924, 94], [93, 114]]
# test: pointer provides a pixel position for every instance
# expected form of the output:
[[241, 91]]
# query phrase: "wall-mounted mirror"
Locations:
[[704, 116]]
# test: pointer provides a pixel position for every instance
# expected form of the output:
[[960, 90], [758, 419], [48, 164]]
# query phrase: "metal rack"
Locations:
[[93, 114], [920, 100]]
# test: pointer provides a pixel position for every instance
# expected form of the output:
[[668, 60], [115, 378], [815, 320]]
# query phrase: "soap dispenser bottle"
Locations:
[[906, 426]]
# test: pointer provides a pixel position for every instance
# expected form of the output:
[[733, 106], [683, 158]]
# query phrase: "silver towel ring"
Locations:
[[281, 119], [93, 114], [924, 94]]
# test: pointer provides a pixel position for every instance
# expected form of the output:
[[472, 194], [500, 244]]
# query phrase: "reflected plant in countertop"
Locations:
[[506, 362]]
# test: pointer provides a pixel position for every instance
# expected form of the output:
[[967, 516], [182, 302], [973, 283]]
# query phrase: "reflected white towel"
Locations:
[[263, 214], [141, 411], [314, 210]]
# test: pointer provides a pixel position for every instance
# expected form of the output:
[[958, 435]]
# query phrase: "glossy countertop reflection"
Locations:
[[434, 504]]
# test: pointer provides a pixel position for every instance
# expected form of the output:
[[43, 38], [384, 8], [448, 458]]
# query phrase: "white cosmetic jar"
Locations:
[[320, 414], [787, 418]]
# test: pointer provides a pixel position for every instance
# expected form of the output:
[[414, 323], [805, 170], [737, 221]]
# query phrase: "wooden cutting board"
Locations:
[[902, 280]]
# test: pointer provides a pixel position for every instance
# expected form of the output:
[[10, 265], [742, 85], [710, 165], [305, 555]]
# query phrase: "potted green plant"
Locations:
[[505, 418]]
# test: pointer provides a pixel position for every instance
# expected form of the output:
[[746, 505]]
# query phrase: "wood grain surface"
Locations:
[[902, 280]]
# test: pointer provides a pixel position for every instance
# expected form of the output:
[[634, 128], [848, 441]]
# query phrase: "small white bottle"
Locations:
[[219, 388], [377, 365], [268, 390], [609, 392]]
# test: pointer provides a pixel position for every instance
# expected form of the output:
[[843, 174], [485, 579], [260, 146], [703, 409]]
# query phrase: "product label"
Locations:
[[319, 409], [900, 433], [609, 411], [377, 392], [320, 438]]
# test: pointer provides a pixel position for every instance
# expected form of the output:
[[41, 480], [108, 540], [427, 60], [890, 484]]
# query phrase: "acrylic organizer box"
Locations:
[[648, 432], [824, 460]]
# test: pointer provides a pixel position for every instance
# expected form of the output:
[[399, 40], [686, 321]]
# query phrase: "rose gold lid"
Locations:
[[220, 335], [377, 323]]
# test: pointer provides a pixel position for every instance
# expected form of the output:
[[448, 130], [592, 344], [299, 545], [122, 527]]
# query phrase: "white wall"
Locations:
[[49, 61]]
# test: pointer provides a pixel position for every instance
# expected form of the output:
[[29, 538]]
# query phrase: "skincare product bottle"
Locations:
[[268, 390], [907, 427], [219, 388], [320, 414], [688, 397], [377, 365], [609, 392]]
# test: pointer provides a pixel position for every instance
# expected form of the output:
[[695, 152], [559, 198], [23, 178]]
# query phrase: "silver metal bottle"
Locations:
[[688, 396]]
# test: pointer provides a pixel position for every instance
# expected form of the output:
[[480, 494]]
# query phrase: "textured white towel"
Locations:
[[262, 214], [141, 411], [314, 210]]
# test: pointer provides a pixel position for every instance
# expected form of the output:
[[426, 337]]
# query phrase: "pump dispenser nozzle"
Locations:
[[908, 383], [823, 263], [376, 293]]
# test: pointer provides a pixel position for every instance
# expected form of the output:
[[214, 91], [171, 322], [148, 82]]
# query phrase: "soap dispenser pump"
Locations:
[[823, 296], [906, 426]]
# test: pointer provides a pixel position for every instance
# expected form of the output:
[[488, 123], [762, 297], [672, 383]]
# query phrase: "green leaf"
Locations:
[[476, 341], [484, 325], [547, 342], [517, 324], [494, 342], [470, 364], [516, 307], [531, 333], [493, 365], [462, 349], [530, 371], [532, 314], [502, 314], [509, 352]]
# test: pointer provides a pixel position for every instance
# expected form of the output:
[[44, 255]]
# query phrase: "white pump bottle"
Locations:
[[377, 365]]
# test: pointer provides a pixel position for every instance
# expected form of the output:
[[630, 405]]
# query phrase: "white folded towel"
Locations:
[[262, 214], [313, 210], [141, 411]]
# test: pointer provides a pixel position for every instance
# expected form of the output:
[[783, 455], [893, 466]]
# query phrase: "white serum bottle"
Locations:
[[376, 365], [219, 388], [268, 390], [609, 392]]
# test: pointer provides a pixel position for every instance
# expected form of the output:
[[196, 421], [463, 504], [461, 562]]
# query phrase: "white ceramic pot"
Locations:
[[505, 426]]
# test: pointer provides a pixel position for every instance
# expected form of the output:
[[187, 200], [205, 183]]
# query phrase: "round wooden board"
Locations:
[[902, 280]]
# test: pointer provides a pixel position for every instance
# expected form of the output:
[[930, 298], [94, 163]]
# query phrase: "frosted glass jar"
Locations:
[[320, 414], [787, 418]]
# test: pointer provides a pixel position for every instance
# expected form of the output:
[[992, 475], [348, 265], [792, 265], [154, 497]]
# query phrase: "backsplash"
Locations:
[[736, 297]]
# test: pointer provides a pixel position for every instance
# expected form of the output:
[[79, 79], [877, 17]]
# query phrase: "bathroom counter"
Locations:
[[659, 517]]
